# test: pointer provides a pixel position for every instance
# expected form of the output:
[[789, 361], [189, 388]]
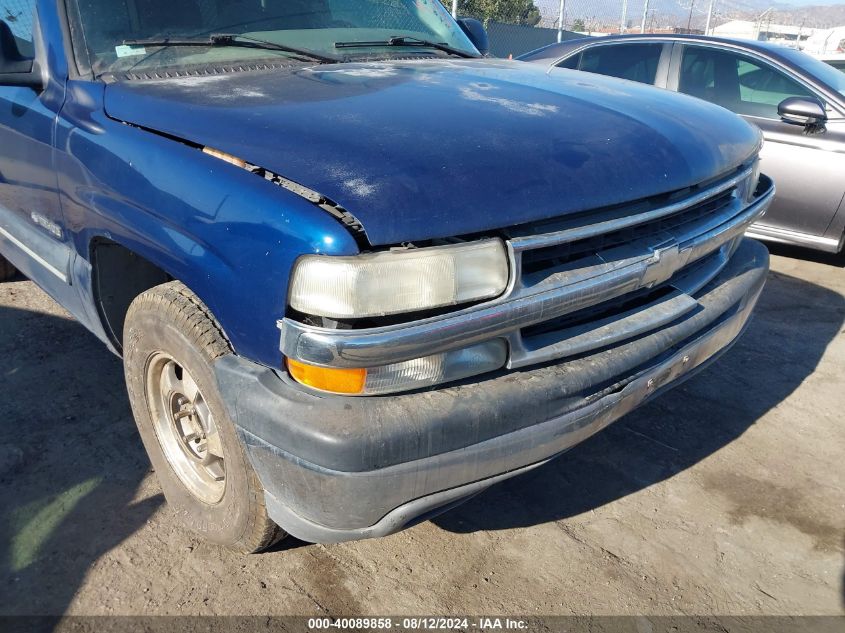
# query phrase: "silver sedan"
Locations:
[[797, 101]]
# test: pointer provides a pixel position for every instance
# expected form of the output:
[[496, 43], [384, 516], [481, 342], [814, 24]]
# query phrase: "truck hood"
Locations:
[[428, 149]]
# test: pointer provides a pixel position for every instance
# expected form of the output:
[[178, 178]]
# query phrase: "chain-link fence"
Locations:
[[518, 26]]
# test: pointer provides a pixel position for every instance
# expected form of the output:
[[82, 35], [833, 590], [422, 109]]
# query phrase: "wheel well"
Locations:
[[120, 275]]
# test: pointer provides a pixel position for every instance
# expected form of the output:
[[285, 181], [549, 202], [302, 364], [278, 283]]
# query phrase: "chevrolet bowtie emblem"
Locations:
[[666, 260]]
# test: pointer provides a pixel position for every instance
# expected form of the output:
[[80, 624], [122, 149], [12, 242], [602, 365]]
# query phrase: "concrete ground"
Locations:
[[724, 496]]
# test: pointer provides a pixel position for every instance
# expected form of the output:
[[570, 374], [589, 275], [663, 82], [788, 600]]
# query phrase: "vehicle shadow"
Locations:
[[797, 252], [71, 461], [792, 326]]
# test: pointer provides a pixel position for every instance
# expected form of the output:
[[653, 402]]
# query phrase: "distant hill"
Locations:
[[814, 16], [596, 14]]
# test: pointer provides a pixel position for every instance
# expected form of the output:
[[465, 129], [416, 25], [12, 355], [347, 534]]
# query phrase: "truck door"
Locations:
[[32, 233]]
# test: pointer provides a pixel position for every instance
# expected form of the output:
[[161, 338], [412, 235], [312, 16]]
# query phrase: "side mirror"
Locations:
[[15, 69], [476, 33], [805, 111]]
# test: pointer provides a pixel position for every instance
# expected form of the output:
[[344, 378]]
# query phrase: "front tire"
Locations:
[[7, 271], [170, 343]]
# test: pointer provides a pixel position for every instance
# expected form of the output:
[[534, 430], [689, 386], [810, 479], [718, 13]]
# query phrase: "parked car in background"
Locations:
[[796, 100], [837, 60]]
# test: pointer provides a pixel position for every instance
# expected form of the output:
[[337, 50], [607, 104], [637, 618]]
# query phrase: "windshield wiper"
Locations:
[[233, 39], [406, 40]]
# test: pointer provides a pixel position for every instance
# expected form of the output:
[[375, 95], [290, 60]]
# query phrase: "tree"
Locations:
[[507, 11], [578, 25]]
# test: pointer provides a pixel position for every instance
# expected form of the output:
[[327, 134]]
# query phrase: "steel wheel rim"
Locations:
[[185, 428]]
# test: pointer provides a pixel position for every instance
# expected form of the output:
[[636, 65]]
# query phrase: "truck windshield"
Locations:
[[145, 35]]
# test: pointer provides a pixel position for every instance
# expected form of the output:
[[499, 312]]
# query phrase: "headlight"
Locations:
[[396, 281]]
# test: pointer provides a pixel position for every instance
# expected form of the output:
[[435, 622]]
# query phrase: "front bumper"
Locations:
[[337, 468]]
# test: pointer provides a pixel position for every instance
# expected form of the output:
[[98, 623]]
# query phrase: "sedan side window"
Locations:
[[637, 62], [18, 16], [736, 82], [571, 62]]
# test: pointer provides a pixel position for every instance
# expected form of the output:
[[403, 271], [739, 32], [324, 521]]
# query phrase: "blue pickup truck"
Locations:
[[357, 270]]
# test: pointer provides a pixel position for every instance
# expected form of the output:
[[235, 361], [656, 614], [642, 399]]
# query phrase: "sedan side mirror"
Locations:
[[15, 69], [805, 111], [476, 33]]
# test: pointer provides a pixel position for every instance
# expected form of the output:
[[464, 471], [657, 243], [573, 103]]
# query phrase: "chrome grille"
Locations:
[[650, 269], [537, 260]]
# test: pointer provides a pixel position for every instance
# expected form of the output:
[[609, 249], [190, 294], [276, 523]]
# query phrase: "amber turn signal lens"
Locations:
[[328, 379]]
